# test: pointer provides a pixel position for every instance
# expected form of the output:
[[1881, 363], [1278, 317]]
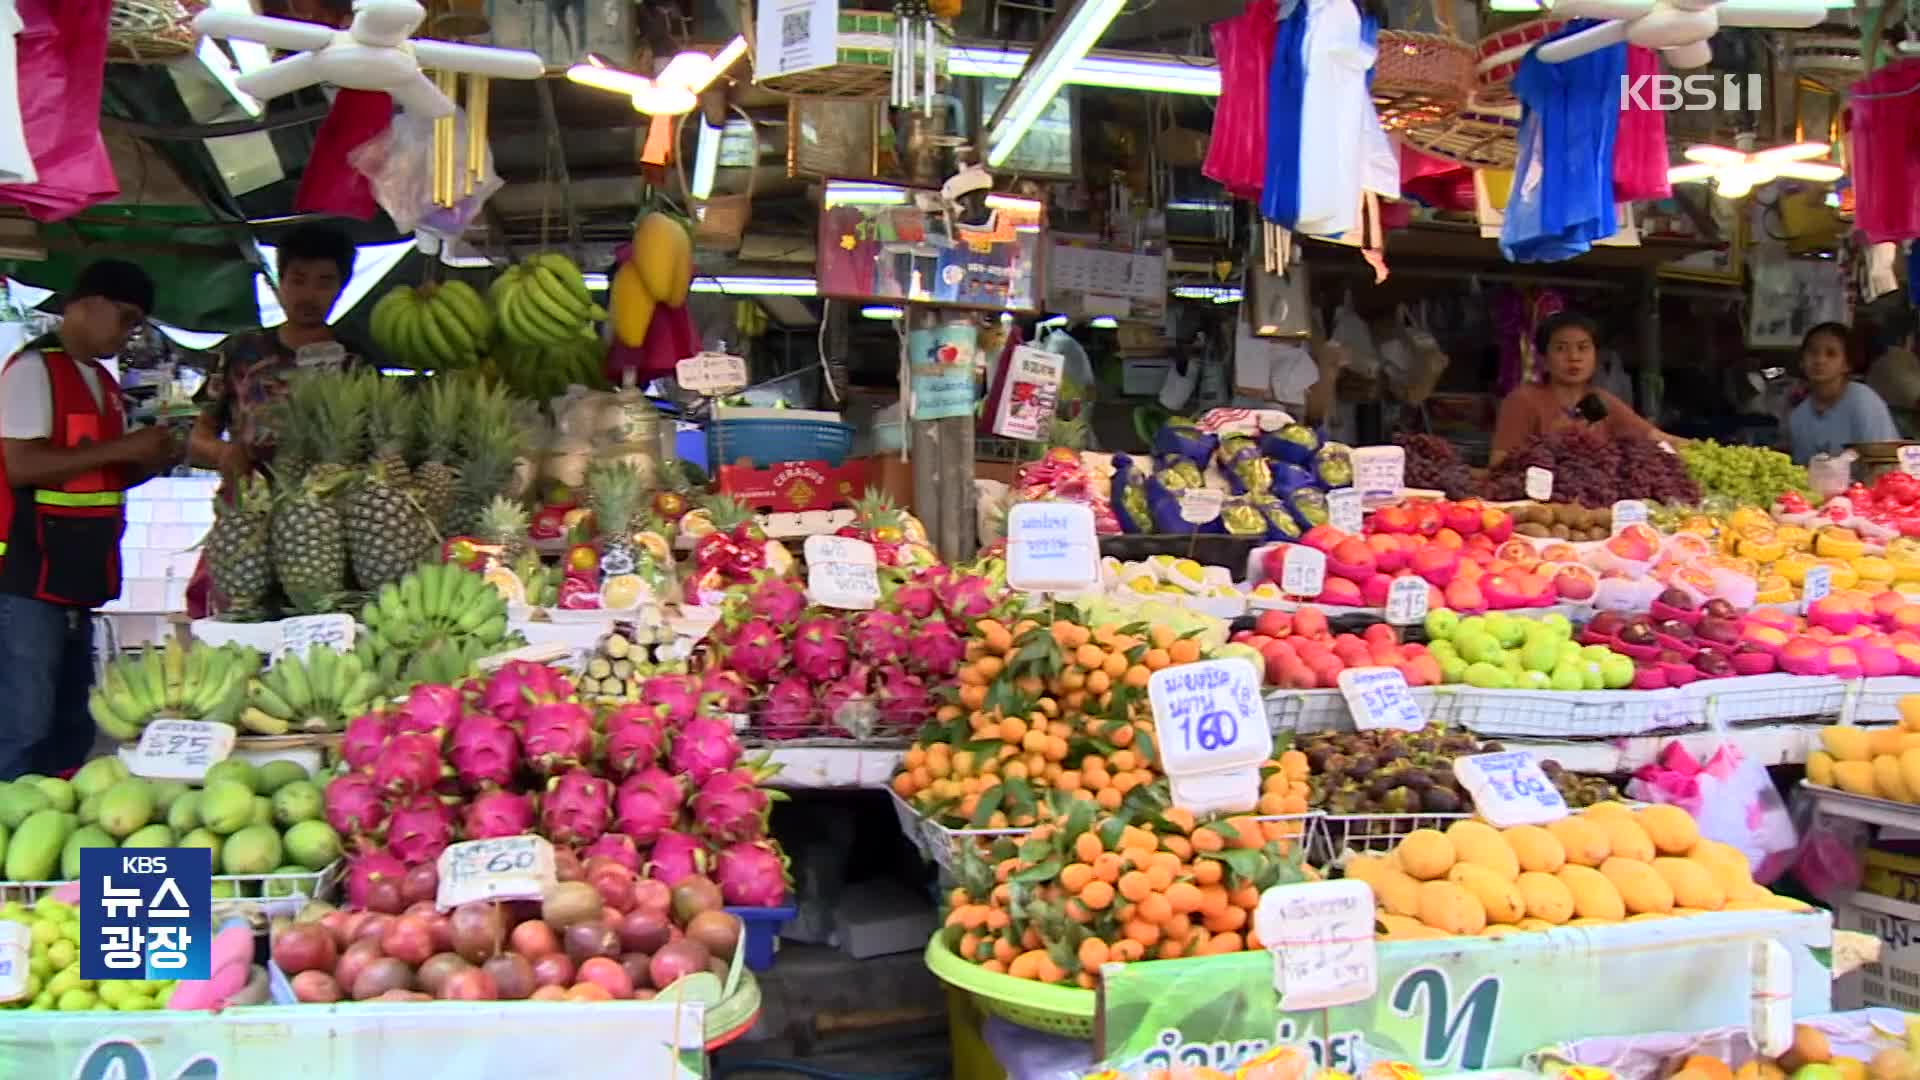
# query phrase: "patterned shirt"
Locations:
[[249, 381]]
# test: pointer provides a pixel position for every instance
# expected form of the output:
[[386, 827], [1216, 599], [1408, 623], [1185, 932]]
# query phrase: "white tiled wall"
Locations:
[[166, 518]]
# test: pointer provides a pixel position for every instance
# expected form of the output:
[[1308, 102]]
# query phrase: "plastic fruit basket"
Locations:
[[767, 437], [1058, 1010]]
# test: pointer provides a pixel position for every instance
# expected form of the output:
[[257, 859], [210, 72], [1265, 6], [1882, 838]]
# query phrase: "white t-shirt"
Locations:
[[16, 163], [26, 397]]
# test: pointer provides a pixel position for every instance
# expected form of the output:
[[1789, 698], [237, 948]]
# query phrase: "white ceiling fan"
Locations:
[[1680, 29], [377, 52]]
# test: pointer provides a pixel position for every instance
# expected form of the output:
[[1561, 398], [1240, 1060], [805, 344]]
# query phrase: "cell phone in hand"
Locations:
[[1591, 409]]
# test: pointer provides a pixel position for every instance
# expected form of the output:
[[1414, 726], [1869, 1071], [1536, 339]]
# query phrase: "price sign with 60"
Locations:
[[505, 868], [1509, 789], [1214, 733]]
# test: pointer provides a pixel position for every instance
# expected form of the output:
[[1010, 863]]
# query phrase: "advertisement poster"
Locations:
[[944, 359], [883, 242], [1031, 395]]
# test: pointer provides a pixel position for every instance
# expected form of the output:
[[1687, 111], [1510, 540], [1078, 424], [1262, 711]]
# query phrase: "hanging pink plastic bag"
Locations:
[[61, 63], [1640, 142], [1237, 152], [1883, 117], [1732, 799]]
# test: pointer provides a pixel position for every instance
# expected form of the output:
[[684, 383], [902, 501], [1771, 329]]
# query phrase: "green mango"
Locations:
[[238, 769], [96, 776], [19, 801], [34, 852], [127, 807], [58, 792], [275, 775], [184, 815], [86, 836]]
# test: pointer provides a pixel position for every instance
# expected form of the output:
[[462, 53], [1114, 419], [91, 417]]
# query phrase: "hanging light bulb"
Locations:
[[1736, 171]]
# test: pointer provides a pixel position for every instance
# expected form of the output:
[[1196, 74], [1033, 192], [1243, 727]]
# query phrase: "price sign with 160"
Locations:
[[1214, 732]]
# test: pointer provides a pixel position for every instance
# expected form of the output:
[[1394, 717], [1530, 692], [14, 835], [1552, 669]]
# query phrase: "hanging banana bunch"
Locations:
[[749, 318]]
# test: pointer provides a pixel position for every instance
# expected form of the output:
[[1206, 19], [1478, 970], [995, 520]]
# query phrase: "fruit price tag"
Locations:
[[302, 632], [1051, 547], [1344, 510], [1379, 472], [1213, 733], [180, 749], [504, 868], [1321, 936], [1628, 512], [1539, 484], [1509, 789], [842, 573], [1201, 505], [711, 373], [1818, 583], [1378, 698], [1407, 600], [16, 949], [1303, 572], [1909, 456]]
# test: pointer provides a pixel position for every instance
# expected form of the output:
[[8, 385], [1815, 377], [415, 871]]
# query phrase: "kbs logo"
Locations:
[[1670, 93]]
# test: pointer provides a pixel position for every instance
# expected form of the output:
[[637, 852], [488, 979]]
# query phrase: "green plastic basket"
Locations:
[[1057, 1010]]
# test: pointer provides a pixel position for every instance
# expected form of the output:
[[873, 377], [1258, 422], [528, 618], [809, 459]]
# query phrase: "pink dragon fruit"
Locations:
[[558, 735], [820, 648], [677, 855], [844, 703], [938, 650], [410, 764], [751, 874], [355, 805], [675, 699], [968, 597], [647, 804], [776, 599], [576, 808], [368, 869], [756, 651], [731, 806], [787, 713], [432, 709], [904, 704], [613, 846], [725, 690], [633, 745], [366, 735], [918, 599], [497, 813], [420, 829], [704, 747], [881, 637], [521, 684], [484, 751]]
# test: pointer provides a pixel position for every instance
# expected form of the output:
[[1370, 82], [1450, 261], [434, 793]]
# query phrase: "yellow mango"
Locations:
[[1672, 830], [1625, 838], [1887, 779], [1846, 743], [1402, 928], [1426, 854], [1498, 896], [1727, 863], [1855, 777], [1546, 897], [1534, 924], [1481, 844], [1594, 897], [1909, 770], [1392, 888], [1693, 885], [1607, 806], [1885, 740], [1641, 889], [1820, 768], [1500, 930], [1584, 841], [1451, 909], [1535, 849], [1910, 712]]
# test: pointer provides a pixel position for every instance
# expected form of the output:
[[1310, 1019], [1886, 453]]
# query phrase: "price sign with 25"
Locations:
[[180, 749]]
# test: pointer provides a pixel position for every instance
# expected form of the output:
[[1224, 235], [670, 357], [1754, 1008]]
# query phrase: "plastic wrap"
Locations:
[[399, 165], [1731, 798], [1237, 152], [1129, 497], [1180, 438]]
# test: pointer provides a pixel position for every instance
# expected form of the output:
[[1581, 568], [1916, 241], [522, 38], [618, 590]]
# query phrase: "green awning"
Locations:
[[203, 282]]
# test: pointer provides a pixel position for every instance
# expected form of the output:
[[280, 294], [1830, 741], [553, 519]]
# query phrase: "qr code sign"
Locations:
[[794, 29]]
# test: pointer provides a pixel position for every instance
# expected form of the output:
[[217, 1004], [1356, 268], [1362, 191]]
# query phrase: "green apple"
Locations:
[[1472, 624], [1476, 646], [1568, 677], [1616, 671], [1596, 652], [1592, 675], [1570, 652], [1443, 648], [1511, 661], [1559, 624], [1489, 677], [1534, 680], [1540, 655], [1509, 630], [1452, 669], [1441, 624]]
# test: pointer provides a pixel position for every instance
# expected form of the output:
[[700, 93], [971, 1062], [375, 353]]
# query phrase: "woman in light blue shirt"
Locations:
[[1838, 411]]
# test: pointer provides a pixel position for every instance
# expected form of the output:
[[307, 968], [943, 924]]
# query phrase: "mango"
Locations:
[[34, 852], [1846, 742], [1393, 890], [1545, 897], [58, 792], [226, 806], [1625, 838], [262, 811], [1887, 779], [1855, 777], [275, 775], [1531, 923], [1640, 888], [1820, 768], [20, 801], [255, 849], [1693, 885], [1535, 849], [1885, 740], [184, 815], [239, 770], [1584, 841], [1426, 854], [86, 836], [1402, 928], [1451, 909], [1500, 930], [314, 844], [1672, 830], [1481, 844], [1607, 806], [1498, 896], [1727, 863], [154, 835], [206, 838], [1594, 896], [96, 776], [297, 801], [126, 807], [166, 793], [1909, 771]]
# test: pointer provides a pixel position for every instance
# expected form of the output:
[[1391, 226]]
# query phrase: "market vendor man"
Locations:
[[1565, 397], [68, 459], [249, 379]]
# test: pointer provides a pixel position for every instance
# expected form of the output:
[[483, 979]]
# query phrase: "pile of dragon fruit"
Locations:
[[662, 788], [856, 674]]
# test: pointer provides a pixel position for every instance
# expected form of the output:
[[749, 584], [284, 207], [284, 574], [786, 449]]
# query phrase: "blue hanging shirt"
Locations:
[[1286, 86], [1562, 198]]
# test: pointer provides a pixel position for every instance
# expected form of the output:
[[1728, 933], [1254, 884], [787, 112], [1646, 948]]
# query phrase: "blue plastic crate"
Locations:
[[766, 440], [762, 925]]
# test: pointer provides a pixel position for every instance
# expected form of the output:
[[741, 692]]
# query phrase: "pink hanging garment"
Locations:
[[1883, 131], [1436, 182], [1237, 153], [329, 184], [1640, 142], [62, 62]]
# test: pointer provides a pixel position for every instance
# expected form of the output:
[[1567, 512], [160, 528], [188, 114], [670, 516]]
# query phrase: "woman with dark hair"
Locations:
[[1838, 411], [1565, 397]]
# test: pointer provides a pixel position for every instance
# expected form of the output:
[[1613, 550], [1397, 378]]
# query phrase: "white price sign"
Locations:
[[1321, 936], [1303, 572], [16, 954], [1407, 600], [1628, 512], [504, 868], [1378, 698], [302, 632], [1909, 456], [180, 749], [1818, 583], [711, 373], [1213, 733], [1201, 505], [842, 573], [1344, 510], [1379, 472], [1539, 484], [1051, 547], [1509, 789]]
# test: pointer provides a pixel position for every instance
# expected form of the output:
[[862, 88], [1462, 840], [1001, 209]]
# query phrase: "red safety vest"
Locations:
[[62, 545]]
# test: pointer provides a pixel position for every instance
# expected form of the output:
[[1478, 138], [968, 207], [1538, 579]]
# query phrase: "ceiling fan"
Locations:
[[1680, 29], [676, 90], [1737, 170], [376, 52]]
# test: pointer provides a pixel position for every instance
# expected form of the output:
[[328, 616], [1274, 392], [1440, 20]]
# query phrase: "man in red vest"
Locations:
[[66, 461]]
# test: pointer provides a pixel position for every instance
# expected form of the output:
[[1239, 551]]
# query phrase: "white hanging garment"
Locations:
[[1343, 150], [16, 163]]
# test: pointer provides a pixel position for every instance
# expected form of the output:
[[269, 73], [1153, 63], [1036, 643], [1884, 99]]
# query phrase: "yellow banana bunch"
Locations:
[[750, 318], [543, 301], [440, 326], [658, 271]]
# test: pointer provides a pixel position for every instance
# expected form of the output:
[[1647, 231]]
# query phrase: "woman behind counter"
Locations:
[[1567, 398], [1837, 411]]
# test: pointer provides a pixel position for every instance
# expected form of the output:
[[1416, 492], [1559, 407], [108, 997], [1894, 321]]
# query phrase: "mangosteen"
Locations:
[[1439, 800]]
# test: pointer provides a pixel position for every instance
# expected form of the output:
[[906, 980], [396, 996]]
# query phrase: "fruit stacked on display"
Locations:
[[1849, 635], [1606, 864], [191, 682], [659, 787], [1167, 577], [53, 967], [1274, 485], [1752, 475], [255, 820], [1881, 763], [432, 327], [1680, 641], [1434, 465], [602, 934], [1092, 888], [1298, 651], [897, 537], [1562, 521], [1063, 474], [729, 549], [543, 304], [1811, 1057], [1497, 651], [1594, 470], [438, 620], [629, 655], [317, 692], [1411, 772], [648, 296]]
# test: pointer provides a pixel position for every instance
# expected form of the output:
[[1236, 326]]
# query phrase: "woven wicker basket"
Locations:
[[1475, 137], [151, 31], [1832, 60], [863, 66], [1498, 56], [1420, 77], [719, 221]]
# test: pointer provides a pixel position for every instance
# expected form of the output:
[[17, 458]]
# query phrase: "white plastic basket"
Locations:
[[1893, 979], [263, 895], [937, 843], [1306, 711], [1777, 699], [1877, 701], [1552, 714], [1340, 834]]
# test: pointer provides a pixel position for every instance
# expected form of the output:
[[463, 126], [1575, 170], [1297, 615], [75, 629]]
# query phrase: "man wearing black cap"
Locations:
[[66, 461]]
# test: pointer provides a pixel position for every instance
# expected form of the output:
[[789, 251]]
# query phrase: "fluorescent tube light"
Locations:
[[706, 158], [1104, 322], [1014, 202], [756, 286], [596, 282], [223, 72], [841, 193], [882, 312], [1044, 74], [1114, 70]]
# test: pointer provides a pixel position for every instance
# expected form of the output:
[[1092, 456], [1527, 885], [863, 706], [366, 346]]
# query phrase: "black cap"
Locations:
[[116, 279]]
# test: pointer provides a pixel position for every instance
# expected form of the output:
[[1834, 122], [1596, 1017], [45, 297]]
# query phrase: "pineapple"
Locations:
[[504, 522], [490, 445], [387, 534], [237, 550], [391, 410], [325, 420], [614, 491], [436, 479], [331, 408]]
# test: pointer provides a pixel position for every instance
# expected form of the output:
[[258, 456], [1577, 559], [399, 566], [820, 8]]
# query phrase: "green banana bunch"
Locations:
[[318, 692], [542, 372], [438, 327], [436, 604], [543, 301], [192, 682]]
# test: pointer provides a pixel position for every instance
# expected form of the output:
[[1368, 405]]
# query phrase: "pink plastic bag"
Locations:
[[1883, 117], [1731, 798], [62, 57], [1640, 142], [1237, 152]]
